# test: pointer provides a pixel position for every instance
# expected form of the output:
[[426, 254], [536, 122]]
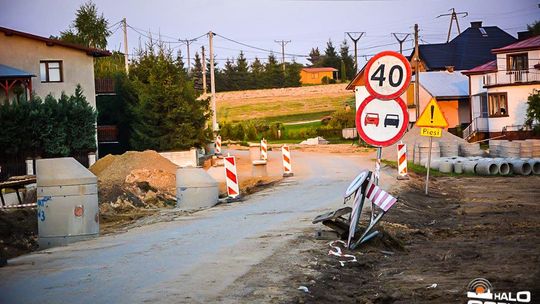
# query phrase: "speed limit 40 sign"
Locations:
[[387, 75]]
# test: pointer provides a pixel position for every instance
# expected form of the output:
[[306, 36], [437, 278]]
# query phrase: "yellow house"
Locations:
[[315, 75]]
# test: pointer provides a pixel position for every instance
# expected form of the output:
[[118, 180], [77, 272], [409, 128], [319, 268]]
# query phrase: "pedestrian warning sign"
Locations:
[[432, 116]]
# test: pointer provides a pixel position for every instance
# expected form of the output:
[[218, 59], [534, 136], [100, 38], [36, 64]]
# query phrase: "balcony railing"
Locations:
[[104, 86], [512, 77], [479, 124]]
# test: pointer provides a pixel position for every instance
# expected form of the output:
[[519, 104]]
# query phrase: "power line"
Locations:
[[452, 18]]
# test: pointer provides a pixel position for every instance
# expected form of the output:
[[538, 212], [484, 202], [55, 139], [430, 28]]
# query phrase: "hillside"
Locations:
[[285, 105]]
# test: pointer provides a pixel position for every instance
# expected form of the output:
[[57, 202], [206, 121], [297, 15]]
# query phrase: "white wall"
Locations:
[[477, 87], [517, 106]]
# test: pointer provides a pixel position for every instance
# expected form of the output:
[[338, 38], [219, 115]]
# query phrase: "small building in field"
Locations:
[[500, 89], [316, 75], [31, 63]]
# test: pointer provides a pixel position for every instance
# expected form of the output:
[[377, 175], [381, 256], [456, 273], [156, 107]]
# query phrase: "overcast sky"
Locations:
[[306, 23]]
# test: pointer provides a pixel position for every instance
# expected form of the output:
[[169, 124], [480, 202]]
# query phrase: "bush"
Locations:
[[48, 128], [325, 80]]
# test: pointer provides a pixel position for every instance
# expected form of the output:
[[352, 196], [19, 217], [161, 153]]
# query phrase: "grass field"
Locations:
[[283, 105]]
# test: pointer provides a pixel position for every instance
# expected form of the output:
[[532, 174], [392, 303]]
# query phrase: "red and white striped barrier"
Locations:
[[402, 160], [218, 144], [264, 149], [379, 197], [18, 206], [233, 190], [287, 166]]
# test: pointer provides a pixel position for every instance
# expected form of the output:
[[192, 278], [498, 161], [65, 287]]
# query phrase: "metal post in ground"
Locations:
[[428, 164]]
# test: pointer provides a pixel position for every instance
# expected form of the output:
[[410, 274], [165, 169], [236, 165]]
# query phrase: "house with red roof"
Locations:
[[316, 75], [499, 90]]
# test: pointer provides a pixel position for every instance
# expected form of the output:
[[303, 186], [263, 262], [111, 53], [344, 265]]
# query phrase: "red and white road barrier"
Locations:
[[233, 190], [264, 149], [218, 144], [287, 167], [402, 160], [18, 206], [379, 197]]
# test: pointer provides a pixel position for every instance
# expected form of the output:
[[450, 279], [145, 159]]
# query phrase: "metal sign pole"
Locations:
[[378, 165], [428, 164]]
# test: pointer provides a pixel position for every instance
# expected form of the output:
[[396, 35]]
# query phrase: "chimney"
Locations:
[[476, 24], [524, 35], [449, 68]]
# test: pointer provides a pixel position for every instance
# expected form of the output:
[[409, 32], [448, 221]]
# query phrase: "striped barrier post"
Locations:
[[218, 144], [287, 167], [402, 161], [264, 149], [233, 190]]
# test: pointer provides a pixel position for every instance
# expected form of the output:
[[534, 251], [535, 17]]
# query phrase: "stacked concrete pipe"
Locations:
[[535, 165], [486, 167], [521, 167]]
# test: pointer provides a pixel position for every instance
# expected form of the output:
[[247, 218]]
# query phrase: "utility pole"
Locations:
[[126, 49], [203, 71], [401, 40], [416, 73], [212, 82], [453, 17], [283, 43], [188, 42], [355, 36]]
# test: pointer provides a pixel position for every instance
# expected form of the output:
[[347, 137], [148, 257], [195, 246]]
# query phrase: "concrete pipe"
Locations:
[[486, 167], [521, 167], [458, 168], [445, 167], [435, 164], [469, 166], [503, 167], [535, 166]]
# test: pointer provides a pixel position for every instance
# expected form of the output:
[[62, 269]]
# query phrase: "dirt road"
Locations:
[[193, 258]]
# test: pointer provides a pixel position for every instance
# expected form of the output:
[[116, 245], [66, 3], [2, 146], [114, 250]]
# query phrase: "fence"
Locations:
[[16, 165]]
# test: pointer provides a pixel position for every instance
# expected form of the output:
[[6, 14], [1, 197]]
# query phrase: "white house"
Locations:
[[500, 88]]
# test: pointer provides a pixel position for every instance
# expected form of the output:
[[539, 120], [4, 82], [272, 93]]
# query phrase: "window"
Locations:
[[517, 62], [50, 71], [314, 75], [498, 105]]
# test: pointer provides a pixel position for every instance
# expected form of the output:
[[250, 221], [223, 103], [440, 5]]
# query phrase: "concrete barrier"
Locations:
[[182, 158]]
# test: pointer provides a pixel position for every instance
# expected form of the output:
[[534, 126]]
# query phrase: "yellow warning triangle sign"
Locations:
[[432, 116]]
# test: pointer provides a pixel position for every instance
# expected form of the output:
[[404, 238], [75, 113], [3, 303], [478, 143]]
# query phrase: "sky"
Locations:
[[258, 23]]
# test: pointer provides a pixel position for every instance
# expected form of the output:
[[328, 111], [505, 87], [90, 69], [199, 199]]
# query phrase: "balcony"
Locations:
[[511, 77]]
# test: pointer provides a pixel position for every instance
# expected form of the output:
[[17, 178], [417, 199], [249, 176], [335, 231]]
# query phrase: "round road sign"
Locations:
[[387, 75], [381, 123], [356, 183]]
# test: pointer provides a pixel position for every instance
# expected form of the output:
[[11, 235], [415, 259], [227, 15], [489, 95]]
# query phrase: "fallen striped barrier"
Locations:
[[18, 206]]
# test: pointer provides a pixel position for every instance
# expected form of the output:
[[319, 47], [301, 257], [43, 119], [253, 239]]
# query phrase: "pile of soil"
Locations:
[[18, 232], [132, 182]]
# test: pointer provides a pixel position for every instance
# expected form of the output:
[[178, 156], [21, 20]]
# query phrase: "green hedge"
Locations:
[[49, 127]]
